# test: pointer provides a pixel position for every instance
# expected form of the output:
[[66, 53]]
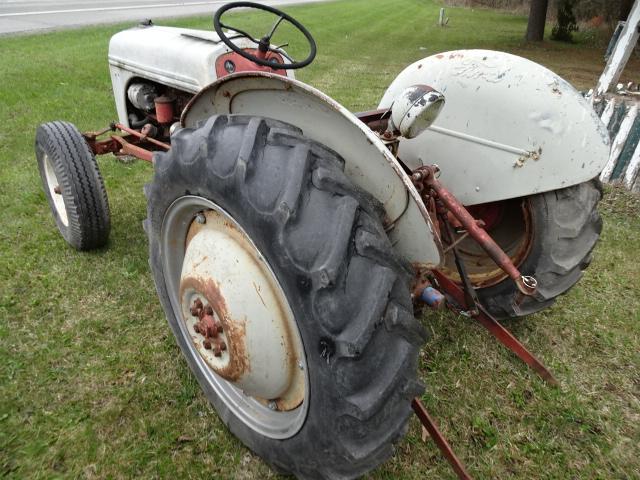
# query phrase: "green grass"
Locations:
[[93, 386]]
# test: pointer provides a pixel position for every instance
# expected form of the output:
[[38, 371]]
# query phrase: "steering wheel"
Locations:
[[264, 44]]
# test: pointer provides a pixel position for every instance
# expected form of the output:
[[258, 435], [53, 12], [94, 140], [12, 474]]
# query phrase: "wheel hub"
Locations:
[[209, 327], [237, 316]]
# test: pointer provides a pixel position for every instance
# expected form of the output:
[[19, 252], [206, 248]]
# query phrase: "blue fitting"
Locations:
[[432, 297]]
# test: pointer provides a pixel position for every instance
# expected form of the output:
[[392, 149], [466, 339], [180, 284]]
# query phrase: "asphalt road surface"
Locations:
[[24, 16]]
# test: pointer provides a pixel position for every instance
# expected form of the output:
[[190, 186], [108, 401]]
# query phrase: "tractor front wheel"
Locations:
[[73, 185], [284, 295]]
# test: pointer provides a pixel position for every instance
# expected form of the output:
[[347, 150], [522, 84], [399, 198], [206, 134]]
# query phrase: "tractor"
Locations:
[[292, 242]]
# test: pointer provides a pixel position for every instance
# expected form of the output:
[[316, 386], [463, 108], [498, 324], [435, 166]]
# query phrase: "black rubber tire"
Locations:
[[80, 183], [348, 290], [566, 227]]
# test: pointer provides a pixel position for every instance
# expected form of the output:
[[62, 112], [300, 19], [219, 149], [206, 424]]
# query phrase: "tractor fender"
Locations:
[[510, 127], [368, 162]]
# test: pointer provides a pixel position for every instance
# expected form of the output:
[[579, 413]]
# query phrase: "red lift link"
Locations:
[[435, 433], [426, 177], [494, 327], [449, 209]]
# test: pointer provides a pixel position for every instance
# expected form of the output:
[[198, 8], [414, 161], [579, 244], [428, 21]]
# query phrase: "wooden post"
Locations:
[[621, 53]]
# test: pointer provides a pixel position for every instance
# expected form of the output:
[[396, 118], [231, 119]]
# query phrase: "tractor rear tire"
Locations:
[[565, 229], [73, 185], [349, 293]]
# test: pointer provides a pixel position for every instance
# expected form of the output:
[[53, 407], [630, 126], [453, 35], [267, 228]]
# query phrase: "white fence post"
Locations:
[[621, 53]]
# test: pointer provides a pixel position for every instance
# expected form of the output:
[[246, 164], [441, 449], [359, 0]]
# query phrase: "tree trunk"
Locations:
[[537, 20]]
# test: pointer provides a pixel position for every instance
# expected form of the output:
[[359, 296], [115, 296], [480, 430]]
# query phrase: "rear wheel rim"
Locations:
[[177, 246], [513, 233]]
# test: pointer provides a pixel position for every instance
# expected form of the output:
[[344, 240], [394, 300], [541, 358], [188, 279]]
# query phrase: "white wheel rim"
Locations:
[[261, 375], [52, 185]]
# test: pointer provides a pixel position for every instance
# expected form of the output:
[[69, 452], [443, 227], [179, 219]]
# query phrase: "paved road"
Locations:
[[22, 16]]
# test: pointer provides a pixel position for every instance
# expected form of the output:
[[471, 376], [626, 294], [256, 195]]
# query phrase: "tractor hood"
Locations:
[[180, 57]]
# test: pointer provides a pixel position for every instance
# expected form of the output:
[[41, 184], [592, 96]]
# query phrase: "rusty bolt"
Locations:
[[219, 328], [223, 346], [209, 328], [196, 328], [196, 308], [208, 310], [207, 344], [217, 351], [211, 331]]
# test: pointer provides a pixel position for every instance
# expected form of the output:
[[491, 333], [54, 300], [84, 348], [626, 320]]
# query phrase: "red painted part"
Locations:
[[490, 213], [244, 65], [101, 147], [164, 109], [376, 120], [438, 438], [135, 133], [427, 175], [494, 327], [131, 149]]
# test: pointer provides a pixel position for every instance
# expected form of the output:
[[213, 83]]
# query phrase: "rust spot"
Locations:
[[226, 93], [194, 228], [440, 56], [234, 329], [229, 225]]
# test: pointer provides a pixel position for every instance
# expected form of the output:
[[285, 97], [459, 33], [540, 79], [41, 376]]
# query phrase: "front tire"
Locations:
[[73, 185], [322, 239]]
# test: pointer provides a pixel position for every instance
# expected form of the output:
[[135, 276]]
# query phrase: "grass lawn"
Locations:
[[93, 385]]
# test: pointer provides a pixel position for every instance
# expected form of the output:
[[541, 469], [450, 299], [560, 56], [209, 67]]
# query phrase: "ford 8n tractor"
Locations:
[[291, 239]]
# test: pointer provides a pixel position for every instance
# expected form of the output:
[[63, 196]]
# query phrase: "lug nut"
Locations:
[[208, 310], [207, 344], [196, 328], [201, 219], [217, 351], [57, 190], [272, 405], [211, 331], [223, 346], [196, 307]]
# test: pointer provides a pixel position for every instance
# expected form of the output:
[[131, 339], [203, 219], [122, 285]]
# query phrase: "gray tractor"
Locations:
[[290, 239]]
